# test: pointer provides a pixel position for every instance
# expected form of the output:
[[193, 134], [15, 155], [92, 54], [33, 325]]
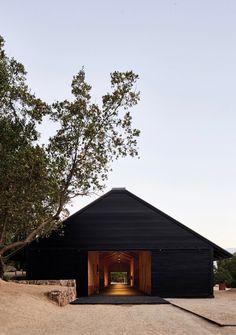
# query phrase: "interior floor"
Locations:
[[120, 289]]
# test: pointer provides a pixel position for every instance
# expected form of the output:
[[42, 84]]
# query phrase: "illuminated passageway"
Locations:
[[120, 289], [119, 273]]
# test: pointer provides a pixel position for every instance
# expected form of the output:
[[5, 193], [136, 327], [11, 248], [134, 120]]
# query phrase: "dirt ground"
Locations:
[[221, 309], [24, 309]]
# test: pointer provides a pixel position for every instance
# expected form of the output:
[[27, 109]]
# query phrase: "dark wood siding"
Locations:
[[182, 273], [119, 221], [182, 260], [59, 264]]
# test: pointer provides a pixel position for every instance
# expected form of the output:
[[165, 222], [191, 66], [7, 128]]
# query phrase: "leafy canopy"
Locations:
[[38, 181]]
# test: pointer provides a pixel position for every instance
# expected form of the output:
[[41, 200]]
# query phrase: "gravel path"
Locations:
[[24, 309], [221, 309]]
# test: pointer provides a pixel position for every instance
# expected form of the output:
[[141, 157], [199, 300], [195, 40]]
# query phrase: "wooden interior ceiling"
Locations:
[[110, 257]]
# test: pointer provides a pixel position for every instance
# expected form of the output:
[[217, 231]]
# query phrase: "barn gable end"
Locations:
[[121, 220]]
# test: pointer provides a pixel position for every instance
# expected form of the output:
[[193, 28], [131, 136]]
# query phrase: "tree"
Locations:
[[37, 182], [226, 271], [222, 275]]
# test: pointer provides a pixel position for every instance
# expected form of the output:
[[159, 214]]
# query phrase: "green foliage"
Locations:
[[222, 276], [118, 277], [37, 181], [226, 271], [90, 137], [24, 186]]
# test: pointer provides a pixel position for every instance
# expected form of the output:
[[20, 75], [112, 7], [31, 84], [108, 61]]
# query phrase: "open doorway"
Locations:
[[118, 278], [119, 272]]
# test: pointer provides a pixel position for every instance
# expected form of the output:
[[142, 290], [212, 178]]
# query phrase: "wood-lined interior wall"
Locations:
[[93, 273], [106, 275], [136, 273], [132, 273], [145, 272]]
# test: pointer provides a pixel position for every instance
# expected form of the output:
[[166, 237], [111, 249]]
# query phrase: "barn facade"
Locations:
[[120, 232]]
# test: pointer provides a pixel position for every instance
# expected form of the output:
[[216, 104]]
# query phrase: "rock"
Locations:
[[67, 282], [63, 297]]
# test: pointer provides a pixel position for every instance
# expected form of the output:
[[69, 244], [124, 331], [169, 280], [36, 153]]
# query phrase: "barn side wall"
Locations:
[[182, 273], [59, 264]]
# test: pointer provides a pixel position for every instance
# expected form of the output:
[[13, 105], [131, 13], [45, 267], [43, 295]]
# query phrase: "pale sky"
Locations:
[[185, 55]]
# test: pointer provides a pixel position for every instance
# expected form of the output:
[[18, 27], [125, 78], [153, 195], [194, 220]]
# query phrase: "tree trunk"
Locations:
[[1, 267]]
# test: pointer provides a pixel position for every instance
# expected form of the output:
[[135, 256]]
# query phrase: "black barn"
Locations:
[[119, 232]]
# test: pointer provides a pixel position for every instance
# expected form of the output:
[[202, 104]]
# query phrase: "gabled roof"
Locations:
[[218, 251], [100, 207]]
